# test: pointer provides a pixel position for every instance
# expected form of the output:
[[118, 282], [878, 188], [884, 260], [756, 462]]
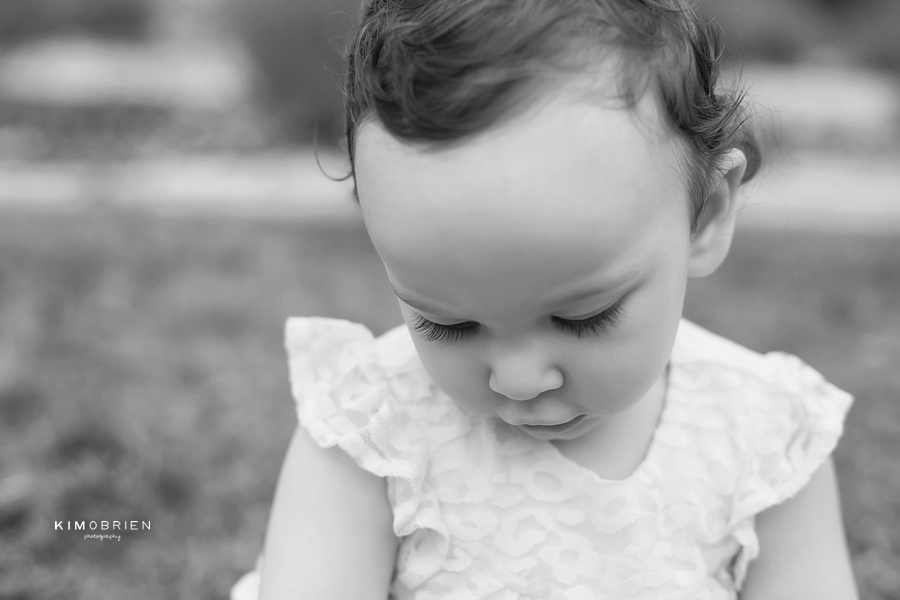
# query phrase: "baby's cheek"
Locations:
[[619, 374], [457, 373]]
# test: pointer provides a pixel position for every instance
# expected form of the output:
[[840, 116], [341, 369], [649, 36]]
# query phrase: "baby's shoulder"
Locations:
[[762, 401], [341, 372], [702, 352], [778, 417], [695, 345], [326, 341], [326, 353]]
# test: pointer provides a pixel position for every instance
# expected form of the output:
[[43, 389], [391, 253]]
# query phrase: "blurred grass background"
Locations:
[[145, 378], [24, 20], [142, 373]]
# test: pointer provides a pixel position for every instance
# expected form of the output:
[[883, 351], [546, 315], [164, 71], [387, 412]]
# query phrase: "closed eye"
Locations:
[[594, 325], [435, 332]]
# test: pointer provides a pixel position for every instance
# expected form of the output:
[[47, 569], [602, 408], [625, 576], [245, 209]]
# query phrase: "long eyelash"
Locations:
[[434, 332], [598, 324]]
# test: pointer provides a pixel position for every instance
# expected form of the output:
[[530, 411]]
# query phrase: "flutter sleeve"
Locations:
[[370, 397], [790, 431], [365, 395], [352, 391], [343, 395]]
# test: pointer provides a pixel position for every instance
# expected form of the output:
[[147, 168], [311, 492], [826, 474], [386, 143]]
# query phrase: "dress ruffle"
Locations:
[[796, 426], [351, 391]]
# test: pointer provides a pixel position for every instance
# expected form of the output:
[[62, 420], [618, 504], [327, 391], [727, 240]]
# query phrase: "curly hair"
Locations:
[[436, 71]]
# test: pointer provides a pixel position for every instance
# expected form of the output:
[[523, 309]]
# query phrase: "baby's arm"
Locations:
[[330, 533], [803, 551]]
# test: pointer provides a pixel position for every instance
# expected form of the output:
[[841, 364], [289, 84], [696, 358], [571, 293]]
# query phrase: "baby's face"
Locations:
[[540, 266]]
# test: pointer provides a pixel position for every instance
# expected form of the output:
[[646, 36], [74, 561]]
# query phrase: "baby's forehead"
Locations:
[[564, 163], [567, 195]]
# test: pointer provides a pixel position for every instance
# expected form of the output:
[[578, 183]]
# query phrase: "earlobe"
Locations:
[[715, 228]]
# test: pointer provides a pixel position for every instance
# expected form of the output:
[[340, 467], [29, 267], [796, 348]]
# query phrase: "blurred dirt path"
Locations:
[[851, 110], [827, 192], [810, 191], [261, 186]]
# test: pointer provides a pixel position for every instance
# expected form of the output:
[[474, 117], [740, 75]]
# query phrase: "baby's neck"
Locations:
[[617, 446]]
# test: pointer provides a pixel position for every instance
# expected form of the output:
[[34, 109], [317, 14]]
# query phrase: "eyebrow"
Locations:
[[420, 306], [611, 286], [573, 299]]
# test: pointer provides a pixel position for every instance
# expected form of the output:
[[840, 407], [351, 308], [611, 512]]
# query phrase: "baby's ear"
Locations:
[[715, 228]]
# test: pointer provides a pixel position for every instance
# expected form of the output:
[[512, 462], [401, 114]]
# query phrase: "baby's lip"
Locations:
[[552, 427]]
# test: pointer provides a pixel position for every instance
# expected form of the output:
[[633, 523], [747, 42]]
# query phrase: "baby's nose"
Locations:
[[523, 377]]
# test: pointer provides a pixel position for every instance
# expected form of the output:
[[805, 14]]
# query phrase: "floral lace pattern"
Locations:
[[486, 512]]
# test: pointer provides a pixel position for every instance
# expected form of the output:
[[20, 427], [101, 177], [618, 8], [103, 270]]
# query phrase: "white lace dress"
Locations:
[[484, 511]]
